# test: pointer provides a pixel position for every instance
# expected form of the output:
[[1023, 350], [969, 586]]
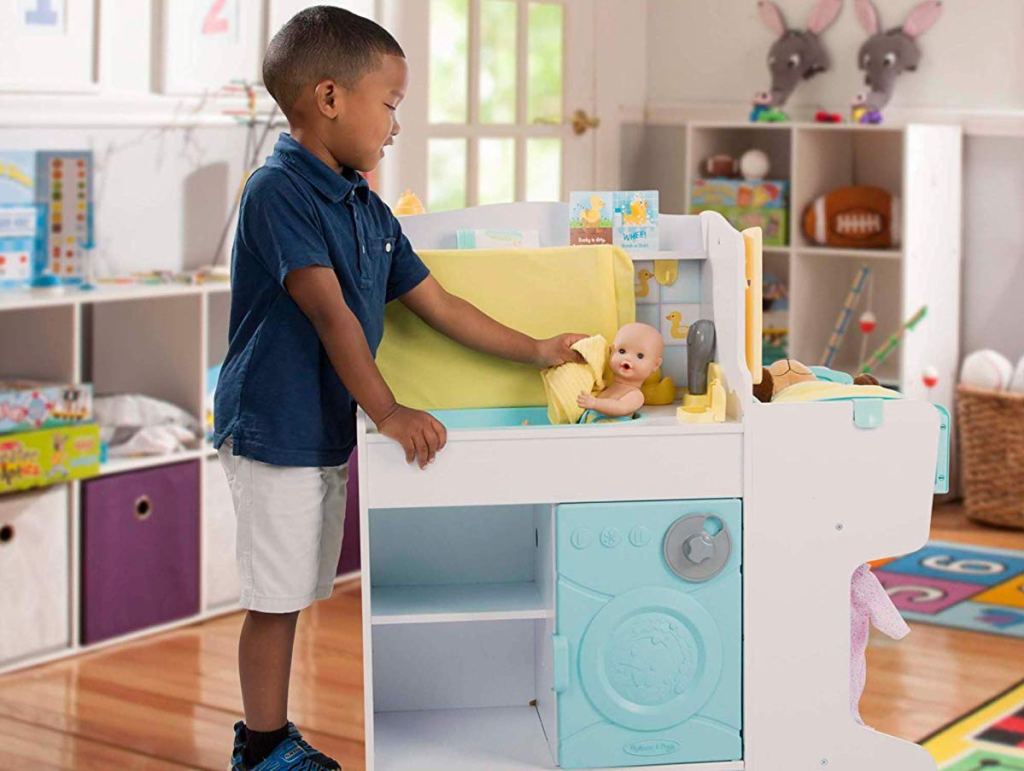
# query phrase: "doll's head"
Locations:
[[636, 353]]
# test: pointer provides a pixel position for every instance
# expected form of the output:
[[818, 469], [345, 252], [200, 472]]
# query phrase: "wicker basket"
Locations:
[[992, 455]]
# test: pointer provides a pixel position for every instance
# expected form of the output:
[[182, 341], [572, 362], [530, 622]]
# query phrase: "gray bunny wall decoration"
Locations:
[[794, 56], [884, 55]]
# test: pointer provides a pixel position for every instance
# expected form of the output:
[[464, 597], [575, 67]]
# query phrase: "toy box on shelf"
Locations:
[[746, 203], [51, 456], [60, 184], [27, 405]]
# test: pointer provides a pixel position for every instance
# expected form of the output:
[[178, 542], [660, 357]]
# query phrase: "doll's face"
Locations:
[[636, 353]]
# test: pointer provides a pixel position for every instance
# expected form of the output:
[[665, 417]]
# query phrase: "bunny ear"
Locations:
[[823, 15], [867, 16], [922, 17], [771, 16]]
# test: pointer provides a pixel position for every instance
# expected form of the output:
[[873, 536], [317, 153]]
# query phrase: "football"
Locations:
[[858, 217]]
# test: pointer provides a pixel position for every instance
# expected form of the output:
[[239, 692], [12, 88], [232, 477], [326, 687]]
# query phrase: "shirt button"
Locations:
[[387, 247]]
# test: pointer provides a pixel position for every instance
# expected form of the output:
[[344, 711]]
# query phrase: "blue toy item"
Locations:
[[647, 649], [507, 417]]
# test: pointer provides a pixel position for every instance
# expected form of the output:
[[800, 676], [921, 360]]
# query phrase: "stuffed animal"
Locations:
[[795, 55], [788, 372], [887, 53]]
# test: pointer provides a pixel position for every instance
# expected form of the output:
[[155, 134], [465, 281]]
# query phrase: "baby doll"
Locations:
[[635, 354]]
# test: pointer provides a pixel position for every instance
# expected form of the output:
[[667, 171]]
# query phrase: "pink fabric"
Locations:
[[869, 605]]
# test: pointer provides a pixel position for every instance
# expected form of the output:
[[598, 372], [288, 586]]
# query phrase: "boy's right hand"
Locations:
[[421, 435]]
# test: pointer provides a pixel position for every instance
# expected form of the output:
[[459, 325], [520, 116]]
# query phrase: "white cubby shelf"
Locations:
[[157, 340], [920, 163]]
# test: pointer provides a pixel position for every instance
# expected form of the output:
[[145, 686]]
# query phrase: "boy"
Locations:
[[316, 258]]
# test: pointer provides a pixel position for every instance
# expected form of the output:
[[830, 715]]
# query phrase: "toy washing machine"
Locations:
[[648, 641]]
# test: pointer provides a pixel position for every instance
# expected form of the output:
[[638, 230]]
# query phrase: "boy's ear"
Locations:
[[328, 98]]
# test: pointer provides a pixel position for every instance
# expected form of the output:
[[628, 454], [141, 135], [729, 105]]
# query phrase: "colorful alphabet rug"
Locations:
[[988, 738], [966, 587]]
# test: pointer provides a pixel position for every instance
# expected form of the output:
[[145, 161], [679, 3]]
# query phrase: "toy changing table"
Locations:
[[633, 594]]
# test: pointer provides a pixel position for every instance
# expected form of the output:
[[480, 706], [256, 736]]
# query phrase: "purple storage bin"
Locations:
[[349, 561], [140, 550]]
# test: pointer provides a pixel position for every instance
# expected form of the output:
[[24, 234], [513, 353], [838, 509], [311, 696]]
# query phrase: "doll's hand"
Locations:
[[558, 350], [586, 401]]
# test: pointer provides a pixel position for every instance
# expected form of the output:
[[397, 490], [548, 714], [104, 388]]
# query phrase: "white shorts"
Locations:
[[290, 525]]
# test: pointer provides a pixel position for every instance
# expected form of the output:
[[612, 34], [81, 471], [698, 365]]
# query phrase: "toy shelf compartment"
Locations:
[[461, 609]]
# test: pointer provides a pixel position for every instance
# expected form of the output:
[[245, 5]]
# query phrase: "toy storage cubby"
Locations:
[[921, 164], [64, 542]]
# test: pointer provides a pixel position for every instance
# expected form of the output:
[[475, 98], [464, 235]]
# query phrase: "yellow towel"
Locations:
[[564, 384], [541, 292]]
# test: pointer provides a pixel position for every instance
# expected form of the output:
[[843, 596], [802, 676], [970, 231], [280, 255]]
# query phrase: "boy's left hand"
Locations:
[[558, 350]]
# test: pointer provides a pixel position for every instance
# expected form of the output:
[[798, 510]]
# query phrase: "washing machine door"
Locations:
[[650, 659], [647, 650]]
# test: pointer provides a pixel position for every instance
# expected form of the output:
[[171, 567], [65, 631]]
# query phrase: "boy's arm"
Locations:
[[464, 323], [318, 294]]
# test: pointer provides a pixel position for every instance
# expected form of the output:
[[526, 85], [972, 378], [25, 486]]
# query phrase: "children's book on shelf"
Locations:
[[636, 219], [59, 185], [590, 218], [21, 239], [627, 218]]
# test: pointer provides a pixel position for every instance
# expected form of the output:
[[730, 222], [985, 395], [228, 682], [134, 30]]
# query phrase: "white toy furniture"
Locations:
[[650, 593]]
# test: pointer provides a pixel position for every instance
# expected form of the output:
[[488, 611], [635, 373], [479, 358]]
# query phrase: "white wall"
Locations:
[[702, 51], [993, 288]]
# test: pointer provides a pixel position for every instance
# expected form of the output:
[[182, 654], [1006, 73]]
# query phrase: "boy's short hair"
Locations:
[[323, 42]]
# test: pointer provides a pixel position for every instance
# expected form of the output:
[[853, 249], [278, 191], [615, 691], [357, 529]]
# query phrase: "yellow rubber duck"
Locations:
[[643, 287], [679, 330], [408, 203], [637, 213], [591, 218], [658, 390]]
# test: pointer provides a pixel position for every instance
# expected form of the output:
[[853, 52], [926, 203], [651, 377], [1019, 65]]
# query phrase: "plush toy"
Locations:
[[788, 372], [884, 55], [869, 606], [794, 56], [857, 217]]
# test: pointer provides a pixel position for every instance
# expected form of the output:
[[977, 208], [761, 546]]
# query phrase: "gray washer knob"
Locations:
[[692, 552]]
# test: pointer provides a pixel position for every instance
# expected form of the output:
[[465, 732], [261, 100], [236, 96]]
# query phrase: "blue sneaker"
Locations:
[[293, 754]]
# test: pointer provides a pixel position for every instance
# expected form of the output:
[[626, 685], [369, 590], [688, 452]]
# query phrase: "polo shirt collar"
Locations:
[[331, 184]]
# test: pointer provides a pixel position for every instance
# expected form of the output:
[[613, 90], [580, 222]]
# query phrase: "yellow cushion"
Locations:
[[540, 292]]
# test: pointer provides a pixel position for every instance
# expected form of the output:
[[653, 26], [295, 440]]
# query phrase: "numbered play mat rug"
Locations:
[[965, 587], [988, 738]]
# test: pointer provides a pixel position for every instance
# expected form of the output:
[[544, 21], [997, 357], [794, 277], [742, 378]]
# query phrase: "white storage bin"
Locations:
[[220, 571], [34, 573]]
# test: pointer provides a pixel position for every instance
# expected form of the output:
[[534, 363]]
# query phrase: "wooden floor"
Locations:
[[169, 702]]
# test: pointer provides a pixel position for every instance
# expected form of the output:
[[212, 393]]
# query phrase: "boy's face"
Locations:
[[362, 118]]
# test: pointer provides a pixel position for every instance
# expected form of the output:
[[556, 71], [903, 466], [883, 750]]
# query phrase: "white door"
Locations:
[[494, 87]]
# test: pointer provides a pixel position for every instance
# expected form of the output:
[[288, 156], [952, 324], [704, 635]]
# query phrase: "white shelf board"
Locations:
[[862, 254], [20, 299], [645, 255], [496, 739], [121, 465], [457, 602], [493, 738]]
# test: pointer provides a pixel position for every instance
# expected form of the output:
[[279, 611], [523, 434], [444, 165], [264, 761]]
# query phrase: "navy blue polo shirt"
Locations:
[[278, 395]]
